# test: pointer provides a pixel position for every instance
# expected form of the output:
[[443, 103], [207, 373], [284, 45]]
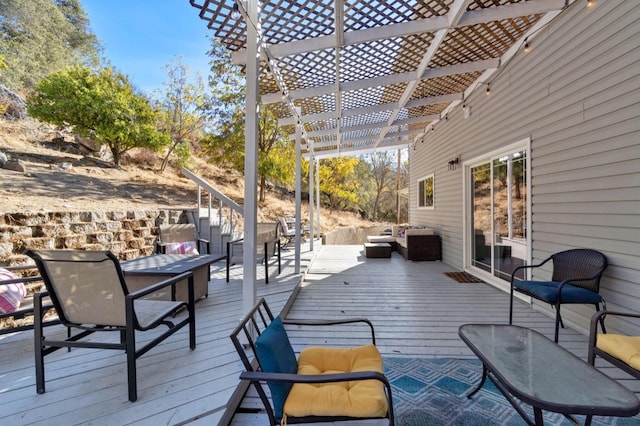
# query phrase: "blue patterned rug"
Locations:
[[433, 391]]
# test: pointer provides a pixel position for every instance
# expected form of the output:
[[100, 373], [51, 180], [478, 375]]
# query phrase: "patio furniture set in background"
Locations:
[[92, 291], [268, 246], [412, 242], [287, 230]]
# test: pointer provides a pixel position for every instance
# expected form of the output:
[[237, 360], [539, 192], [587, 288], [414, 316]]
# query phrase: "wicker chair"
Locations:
[[575, 279], [89, 293], [301, 391], [620, 350]]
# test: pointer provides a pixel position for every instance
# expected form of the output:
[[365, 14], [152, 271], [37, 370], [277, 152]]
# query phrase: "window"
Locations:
[[425, 192]]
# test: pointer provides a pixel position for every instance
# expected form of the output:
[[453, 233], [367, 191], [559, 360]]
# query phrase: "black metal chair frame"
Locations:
[[561, 270], [254, 323], [44, 346], [277, 249], [599, 317]]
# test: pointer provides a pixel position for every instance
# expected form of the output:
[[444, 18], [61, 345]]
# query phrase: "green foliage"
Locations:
[[226, 142], [101, 105], [184, 105], [38, 37]]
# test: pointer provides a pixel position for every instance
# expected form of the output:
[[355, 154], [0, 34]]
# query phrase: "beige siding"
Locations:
[[577, 96]]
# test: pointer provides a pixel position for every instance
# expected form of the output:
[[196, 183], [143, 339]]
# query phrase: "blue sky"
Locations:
[[141, 37]]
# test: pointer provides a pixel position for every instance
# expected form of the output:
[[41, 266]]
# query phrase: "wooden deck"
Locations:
[[416, 310], [175, 385]]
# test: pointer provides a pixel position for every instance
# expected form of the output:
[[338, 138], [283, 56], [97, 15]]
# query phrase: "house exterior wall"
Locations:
[[576, 95]]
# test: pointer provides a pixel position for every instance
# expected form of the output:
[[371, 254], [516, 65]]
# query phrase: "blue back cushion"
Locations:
[[276, 355]]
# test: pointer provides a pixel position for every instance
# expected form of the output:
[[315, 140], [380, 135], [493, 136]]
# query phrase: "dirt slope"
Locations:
[[60, 177]]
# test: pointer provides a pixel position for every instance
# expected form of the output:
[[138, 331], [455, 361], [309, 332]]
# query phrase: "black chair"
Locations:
[[620, 350], [309, 389], [267, 247], [575, 279], [89, 293]]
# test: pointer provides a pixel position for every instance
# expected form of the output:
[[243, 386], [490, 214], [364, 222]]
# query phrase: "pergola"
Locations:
[[348, 77]]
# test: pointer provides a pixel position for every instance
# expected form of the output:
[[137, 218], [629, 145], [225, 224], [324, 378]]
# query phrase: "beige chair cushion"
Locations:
[[381, 239], [419, 231], [624, 348]]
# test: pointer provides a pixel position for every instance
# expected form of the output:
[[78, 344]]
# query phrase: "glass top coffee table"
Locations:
[[145, 271], [523, 363]]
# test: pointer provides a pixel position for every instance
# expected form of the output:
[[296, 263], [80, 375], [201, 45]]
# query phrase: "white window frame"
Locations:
[[433, 190], [524, 144]]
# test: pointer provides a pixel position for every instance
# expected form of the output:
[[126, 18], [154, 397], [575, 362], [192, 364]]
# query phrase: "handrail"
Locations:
[[219, 195]]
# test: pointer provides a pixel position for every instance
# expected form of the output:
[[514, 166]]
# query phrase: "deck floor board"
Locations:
[[415, 308], [175, 385]]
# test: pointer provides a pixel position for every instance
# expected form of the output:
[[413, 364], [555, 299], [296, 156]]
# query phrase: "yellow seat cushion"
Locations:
[[363, 398], [625, 348]]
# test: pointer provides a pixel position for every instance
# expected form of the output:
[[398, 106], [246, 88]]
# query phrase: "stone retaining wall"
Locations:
[[128, 234]]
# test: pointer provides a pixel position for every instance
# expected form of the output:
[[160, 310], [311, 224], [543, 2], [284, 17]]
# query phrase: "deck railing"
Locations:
[[217, 221]]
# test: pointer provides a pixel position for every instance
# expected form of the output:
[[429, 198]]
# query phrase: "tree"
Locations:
[[184, 108], [225, 144], [101, 105], [338, 183], [38, 37], [384, 179]]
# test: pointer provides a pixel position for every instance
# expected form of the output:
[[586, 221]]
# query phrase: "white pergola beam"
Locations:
[[346, 152], [473, 17], [332, 115], [385, 80]]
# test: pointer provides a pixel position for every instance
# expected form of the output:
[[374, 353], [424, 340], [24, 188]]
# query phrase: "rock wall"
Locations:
[[128, 234]]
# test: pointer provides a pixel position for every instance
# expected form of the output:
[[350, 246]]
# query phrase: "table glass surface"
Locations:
[[543, 374]]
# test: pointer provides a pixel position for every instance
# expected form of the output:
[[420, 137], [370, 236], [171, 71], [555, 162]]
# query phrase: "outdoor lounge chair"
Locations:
[[620, 350], [575, 279], [322, 384], [181, 238], [89, 293], [267, 244], [287, 233]]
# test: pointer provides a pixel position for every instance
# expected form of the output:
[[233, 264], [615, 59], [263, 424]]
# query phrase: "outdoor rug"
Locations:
[[433, 391], [463, 277]]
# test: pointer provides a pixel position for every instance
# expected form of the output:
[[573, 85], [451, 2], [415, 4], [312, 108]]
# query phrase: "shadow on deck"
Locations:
[[415, 307]]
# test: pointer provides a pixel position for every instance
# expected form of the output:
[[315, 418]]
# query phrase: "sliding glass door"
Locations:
[[499, 213]]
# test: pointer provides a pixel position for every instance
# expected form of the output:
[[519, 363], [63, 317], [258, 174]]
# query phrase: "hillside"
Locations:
[[61, 176]]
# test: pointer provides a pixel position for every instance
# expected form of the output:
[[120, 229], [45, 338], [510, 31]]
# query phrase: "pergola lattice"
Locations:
[[375, 75]]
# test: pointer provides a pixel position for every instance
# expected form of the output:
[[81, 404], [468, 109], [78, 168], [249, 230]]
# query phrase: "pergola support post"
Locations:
[[298, 191], [251, 163]]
